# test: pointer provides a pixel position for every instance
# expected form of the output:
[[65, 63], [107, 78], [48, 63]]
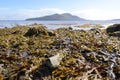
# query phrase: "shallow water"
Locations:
[[54, 24]]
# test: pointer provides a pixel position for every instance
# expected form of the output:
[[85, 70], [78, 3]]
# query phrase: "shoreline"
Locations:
[[53, 24]]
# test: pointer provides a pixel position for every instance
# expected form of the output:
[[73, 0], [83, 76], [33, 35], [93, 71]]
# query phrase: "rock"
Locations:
[[51, 33], [45, 70], [55, 60], [36, 30], [117, 33], [114, 30]]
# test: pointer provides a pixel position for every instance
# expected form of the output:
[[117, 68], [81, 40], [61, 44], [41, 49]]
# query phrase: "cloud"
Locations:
[[40, 12], [28, 13], [97, 14], [1, 8], [94, 14]]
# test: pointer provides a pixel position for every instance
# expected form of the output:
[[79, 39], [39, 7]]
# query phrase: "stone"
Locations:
[[113, 30]]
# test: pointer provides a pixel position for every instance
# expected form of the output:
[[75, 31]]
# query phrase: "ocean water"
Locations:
[[54, 24]]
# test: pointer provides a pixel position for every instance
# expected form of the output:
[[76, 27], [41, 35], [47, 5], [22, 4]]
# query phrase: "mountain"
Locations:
[[65, 16]]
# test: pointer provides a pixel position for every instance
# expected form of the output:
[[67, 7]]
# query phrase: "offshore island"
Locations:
[[58, 17]]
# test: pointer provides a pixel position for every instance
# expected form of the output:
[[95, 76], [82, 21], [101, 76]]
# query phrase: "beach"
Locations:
[[35, 52]]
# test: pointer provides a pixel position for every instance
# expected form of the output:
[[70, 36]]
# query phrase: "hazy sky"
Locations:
[[88, 9]]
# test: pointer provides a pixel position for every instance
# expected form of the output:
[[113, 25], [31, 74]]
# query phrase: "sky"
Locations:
[[88, 9]]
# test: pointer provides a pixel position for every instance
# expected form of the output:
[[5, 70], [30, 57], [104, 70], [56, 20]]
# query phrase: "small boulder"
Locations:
[[114, 30]]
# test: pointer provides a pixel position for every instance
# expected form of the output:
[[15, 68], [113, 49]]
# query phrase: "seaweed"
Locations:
[[33, 52]]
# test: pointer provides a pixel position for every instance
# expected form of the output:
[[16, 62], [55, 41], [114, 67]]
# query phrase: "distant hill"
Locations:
[[65, 16], [115, 20]]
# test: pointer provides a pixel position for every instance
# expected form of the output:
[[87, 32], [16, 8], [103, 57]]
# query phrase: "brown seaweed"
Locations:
[[27, 52]]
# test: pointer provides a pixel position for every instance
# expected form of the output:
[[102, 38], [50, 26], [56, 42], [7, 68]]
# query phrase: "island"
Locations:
[[58, 17]]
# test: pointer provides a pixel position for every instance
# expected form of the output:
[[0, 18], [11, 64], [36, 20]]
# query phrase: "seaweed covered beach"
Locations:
[[32, 52]]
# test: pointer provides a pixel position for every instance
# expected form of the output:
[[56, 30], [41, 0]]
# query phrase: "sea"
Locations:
[[55, 24]]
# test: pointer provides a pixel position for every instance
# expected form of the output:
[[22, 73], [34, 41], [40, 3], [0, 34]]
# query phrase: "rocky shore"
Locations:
[[33, 52]]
